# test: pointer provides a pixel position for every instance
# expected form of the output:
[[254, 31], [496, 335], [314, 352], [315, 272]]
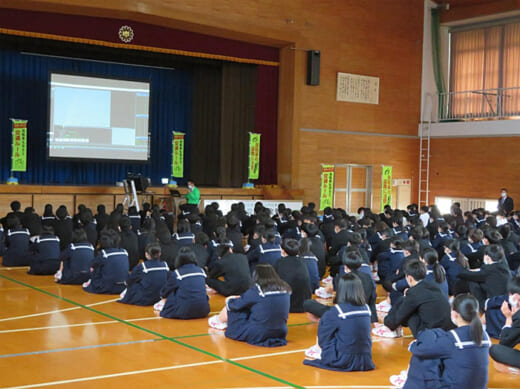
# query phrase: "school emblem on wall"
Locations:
[[126, 34]]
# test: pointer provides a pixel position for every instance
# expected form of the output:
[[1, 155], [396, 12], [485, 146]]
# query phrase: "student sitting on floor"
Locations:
[[76, 260], [491, 279], [423, 306], [46, 249], [184, 236], [259, 316], [352, 263], [110, 268], [456, 359], [311, 261], [147, 279], [506, 358], [435, 273], [453, 263], [344, 342], [293, 270], [184, 295], [234, 268], [16, 243], [268, 252]]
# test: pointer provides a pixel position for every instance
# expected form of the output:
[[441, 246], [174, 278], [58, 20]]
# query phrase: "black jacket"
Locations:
[[423, 307], [493, 278], [293, 270]]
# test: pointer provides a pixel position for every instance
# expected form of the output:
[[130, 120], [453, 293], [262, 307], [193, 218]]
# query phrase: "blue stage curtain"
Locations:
[[24, 95]]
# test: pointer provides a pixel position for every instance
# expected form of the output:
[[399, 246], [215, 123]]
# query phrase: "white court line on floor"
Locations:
[[15, 268], [128, 373], [75, 325], [56, 311]]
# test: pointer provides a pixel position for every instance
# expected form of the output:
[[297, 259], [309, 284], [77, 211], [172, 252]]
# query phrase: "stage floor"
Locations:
[[59, 336]]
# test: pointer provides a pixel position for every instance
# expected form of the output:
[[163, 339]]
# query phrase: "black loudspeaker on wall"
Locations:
[[313, 67]]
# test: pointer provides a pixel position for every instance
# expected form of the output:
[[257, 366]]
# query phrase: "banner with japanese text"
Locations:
[[327, 186], [254, 156], [386, 187], [19, 147], [178, 154]]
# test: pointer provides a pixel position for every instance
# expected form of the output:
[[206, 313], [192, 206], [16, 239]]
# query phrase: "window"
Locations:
[[485, 72]]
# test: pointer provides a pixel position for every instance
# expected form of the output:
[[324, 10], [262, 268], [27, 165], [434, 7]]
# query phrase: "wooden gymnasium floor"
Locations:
[[61, 337]]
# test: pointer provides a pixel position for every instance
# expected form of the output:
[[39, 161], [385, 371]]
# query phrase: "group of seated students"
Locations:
[[451, 279]]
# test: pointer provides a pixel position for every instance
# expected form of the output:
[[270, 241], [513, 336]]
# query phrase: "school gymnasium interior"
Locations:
[[427, 88]]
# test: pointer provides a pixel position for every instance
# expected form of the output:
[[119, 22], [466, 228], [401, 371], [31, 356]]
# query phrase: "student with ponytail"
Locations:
[[506, 358], [456, 359], [434, 271], [453, 262]]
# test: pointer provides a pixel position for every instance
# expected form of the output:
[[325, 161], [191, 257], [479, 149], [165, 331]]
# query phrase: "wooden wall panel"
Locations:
[[6, 199], [339, 148], [55, 200], [92, 201], [475, 167]]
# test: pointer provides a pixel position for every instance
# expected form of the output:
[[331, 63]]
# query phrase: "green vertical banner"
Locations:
[[386, 187], [327, 186], [19, 147], [178, 154], [254, 156]]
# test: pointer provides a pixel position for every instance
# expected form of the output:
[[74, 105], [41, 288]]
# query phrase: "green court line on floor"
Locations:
[[253, 370]]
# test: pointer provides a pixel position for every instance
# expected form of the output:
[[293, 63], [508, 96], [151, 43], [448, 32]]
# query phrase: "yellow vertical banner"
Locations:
[[327, 186], [254, 156], [19, 146], [178, 154], [386, 187]]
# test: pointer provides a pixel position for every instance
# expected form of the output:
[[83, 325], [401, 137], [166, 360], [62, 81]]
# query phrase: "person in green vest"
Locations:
[[192, 199]]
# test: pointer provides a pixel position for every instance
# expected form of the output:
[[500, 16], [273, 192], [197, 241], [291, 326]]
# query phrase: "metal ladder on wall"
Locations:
[[424, 163]]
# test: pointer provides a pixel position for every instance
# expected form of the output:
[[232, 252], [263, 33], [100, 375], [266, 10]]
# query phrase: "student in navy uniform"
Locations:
[[184, 236], [184, 295], [233, 267], [352, 263], [32, 221], [344, 342], [110, 268], [423, 306], [101, 218], [200, 248], [15, 211], [147, 279], [453, 263], [16, 243], [268, 252], [311, 231], [129, 241], [46, 253], [435, 273], [76, 260], [473, 250], [234, 234], [259, 316], [492, 278], [457, 359], [293, 270], [48, 217], [506, 357], [135, 218], [87, 222], [63, 227], [145, 236], [311, 261], [388, 262]]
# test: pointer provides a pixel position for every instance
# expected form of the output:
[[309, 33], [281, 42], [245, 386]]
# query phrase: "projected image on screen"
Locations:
[[98, 118]]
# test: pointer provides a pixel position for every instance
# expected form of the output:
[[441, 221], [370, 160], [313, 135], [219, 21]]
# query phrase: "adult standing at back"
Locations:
[[505, 203]]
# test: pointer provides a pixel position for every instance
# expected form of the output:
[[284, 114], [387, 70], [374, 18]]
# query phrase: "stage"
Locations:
[[37, 196]]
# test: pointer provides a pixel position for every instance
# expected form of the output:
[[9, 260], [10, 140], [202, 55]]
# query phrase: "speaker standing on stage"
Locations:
[[192, 199]]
